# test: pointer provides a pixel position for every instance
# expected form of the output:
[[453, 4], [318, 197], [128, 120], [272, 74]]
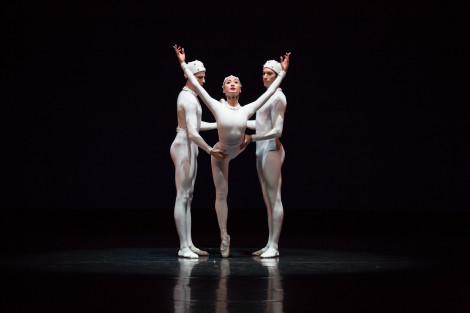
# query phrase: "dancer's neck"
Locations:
[[232, 101], [190, 86]]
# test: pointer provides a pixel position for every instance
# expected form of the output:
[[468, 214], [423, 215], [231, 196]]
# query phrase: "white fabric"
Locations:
[[189, 113], [231, 76], [196, 67], [184, 152], [270, 156], [231, 126], [274, 65]]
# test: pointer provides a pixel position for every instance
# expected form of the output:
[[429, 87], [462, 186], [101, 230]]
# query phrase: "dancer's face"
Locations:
[[232, 86], [201, 77], [268, 76]]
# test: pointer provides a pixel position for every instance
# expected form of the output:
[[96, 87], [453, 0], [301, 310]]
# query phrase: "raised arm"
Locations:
[[208, 100], [255, 106], [207, 126]]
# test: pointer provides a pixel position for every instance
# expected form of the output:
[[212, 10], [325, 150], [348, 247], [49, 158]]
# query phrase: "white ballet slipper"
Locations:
[[270, 253], [187, 253]]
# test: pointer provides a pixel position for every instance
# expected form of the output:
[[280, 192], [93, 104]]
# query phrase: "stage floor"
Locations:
[[78, 261], [300, 280]]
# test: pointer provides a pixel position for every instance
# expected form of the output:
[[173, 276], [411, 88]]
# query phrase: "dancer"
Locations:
[[231, 120], [270, 156], [184, 152]]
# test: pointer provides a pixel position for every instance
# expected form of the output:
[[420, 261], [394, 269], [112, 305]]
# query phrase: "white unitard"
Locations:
[[231, 126], [184, 152], [269, 158]]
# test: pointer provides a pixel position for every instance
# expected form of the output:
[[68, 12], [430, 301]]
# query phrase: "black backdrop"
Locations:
[[371, 120]]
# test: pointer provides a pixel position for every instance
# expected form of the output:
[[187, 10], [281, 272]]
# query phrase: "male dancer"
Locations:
[[270, 156], [184, 152]]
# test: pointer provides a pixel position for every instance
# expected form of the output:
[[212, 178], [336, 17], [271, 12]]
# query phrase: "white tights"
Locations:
[[220, 175], [269, 174], [184, 157]]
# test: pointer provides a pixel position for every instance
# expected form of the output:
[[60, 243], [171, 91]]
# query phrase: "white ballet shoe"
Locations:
[[260, 251], [270, 253], [187, 253], [225, 244], [199, 251]]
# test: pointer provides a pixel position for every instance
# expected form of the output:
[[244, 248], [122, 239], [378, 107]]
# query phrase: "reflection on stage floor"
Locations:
[[156, 280]]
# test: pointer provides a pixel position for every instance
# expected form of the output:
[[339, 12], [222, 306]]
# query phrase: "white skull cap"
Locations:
[[274, 65], [196, 67], [231, 76]]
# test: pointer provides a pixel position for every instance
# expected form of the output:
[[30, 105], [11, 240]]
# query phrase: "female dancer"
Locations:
[[231, 121]]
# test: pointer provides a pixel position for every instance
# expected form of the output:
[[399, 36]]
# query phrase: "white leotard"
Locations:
[[231, 121]]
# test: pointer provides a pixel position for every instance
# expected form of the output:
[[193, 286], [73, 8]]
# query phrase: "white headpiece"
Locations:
[[196, 67], [274, 65], [231, 76]]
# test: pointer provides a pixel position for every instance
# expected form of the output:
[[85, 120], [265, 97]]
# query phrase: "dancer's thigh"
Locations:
[[271, 168], [184, 160]]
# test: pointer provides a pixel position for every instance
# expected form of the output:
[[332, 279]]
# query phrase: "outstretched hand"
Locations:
[[180, 54], [218, 153], [284, 61], [246, 141]]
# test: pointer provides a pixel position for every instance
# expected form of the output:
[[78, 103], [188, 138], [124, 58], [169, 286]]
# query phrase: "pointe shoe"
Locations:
[[187, 253], [225, 245], [199, 251], [270, 253], [259, 252]]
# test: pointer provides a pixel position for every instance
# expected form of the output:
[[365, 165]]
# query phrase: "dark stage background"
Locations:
[[371, 123]]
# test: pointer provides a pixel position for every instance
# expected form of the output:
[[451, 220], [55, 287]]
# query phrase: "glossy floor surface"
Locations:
[[118, 272]]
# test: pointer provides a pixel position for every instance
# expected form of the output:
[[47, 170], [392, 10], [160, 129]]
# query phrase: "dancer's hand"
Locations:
[[246, 141], [284, 61], [180, 54], [218, 153]]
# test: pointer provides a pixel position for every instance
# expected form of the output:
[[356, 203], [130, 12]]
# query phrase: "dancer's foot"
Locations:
[[199, 251], [225, 244], [270, 253], [260, 252], [187, 253]]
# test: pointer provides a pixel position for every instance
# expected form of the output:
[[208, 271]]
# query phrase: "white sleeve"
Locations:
[[279, 108], [255, 106], [207, 126], [191, 127], [251, 124], [208, 100]]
